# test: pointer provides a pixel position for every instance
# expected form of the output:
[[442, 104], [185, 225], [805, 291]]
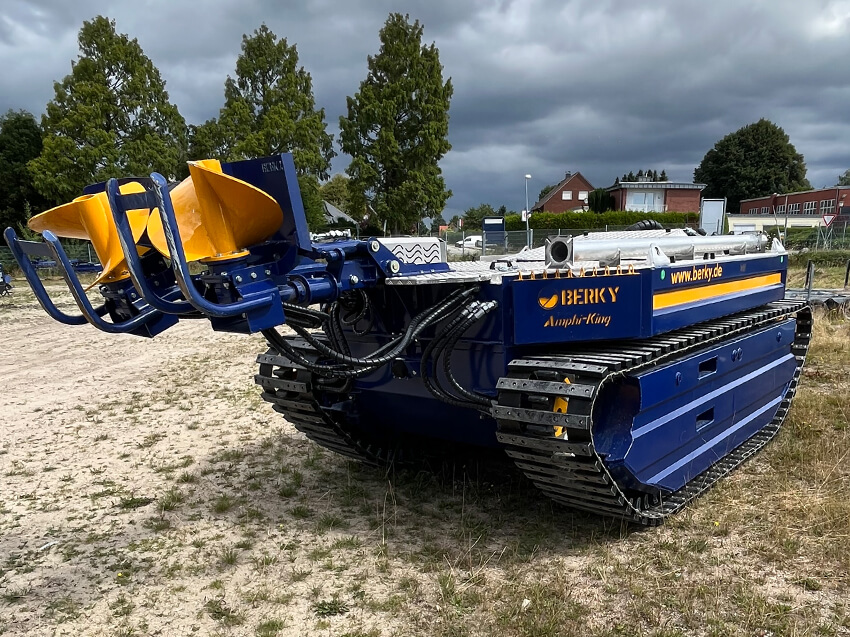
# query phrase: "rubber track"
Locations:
[[568, 469], [300, 396]]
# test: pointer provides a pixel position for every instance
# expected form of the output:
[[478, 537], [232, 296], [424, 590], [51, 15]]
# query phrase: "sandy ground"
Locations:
[[147, 490], [99, 432]]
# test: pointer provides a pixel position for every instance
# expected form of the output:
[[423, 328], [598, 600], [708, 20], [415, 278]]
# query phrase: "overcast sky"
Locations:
[[541, 86]]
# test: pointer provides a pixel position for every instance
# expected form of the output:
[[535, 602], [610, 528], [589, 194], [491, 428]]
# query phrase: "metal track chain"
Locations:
[[314, 405], [568, 469]]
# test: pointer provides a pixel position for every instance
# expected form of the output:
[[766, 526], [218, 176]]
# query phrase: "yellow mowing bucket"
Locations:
[[218, 216], [89, 217]]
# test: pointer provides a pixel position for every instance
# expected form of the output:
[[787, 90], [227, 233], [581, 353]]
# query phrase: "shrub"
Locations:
[[589, 220]]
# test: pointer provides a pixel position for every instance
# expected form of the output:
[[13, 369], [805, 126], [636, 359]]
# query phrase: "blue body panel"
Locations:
[[670, 423], [642, 302]]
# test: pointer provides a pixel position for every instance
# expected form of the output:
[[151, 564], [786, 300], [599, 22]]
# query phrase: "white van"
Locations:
[[472, 241]]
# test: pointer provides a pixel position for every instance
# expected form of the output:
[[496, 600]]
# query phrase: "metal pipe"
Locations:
[[564, 250]]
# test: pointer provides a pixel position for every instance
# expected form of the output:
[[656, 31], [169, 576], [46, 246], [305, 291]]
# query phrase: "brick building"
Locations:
[[571, 194], [656, 196], [802, 209]]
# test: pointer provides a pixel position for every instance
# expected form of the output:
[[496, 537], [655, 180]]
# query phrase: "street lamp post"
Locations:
[[527, 215]]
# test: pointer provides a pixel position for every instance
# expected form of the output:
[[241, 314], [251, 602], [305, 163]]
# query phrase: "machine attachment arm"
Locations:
[[119, 205], [91, 314], [260, 301], [22, 250]]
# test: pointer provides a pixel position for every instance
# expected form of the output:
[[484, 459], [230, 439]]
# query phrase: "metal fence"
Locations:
[[468, 245], [471, 244], [834, 237], [81, 251]]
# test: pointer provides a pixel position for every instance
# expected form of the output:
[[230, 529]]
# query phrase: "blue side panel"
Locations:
[[721, 288], [620, 306], [393, 399], [579, 309], [674, 421], [389, 406], [675, 318]]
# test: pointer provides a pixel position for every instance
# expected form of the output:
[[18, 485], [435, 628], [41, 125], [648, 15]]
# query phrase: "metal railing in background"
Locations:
[[795, 238], [469, 245], [79, 252]]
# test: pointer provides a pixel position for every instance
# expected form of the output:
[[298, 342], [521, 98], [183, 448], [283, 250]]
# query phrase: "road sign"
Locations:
[[828, 219]]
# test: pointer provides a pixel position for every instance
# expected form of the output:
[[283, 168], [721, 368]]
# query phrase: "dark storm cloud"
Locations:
[[600, 86]]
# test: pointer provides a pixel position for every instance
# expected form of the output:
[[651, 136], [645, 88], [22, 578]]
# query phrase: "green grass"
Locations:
[[219, 609], [330, 607]]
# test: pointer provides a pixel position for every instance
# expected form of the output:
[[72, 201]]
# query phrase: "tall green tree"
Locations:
[[109, 118], [397, 129], [335, 191], [756, 160], [545, 191], [473, 217], [600, 200], [269, 108], [20, 142], [844, 179]]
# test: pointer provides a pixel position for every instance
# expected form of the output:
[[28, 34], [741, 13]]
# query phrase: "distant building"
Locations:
[[571, 194], [646, 195], [803, 209], [335, 215]]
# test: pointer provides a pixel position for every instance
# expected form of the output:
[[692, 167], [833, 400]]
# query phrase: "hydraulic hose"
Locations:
[[302, 318], [435, 348], [377, 358], [479, 313]]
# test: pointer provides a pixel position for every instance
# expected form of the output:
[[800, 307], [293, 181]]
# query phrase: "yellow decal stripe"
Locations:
[[679, 297]]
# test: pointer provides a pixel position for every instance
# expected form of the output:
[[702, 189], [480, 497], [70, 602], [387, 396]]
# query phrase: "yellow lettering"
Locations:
[[613, 292]]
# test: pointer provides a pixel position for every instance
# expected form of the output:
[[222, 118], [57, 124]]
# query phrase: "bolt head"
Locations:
[[394, 267], [239, 279], [374, 246], [253, 275], [354, 279]]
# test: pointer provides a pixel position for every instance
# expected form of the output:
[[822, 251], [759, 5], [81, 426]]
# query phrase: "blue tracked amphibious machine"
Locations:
[[622, 373]]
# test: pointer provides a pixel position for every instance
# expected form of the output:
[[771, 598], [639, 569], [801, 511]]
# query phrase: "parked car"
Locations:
[[42, 263], [85, 266], [472, 241]]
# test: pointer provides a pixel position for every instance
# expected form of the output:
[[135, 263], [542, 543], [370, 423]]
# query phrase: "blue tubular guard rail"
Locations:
[[181, 267], [21, 250], [119, 205], [91, 315]]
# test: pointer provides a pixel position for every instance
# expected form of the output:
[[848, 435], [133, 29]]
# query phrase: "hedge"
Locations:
[[589, 220], [826, 258]]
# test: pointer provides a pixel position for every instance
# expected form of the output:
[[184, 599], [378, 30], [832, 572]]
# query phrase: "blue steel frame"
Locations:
[[243, 294]]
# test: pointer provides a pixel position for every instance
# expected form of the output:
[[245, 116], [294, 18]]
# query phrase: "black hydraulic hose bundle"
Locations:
[[346, 366], [456, 308], [443, 345]]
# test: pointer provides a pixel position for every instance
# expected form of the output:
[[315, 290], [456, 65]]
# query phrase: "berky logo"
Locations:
[[579, 296], [548, 302]]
